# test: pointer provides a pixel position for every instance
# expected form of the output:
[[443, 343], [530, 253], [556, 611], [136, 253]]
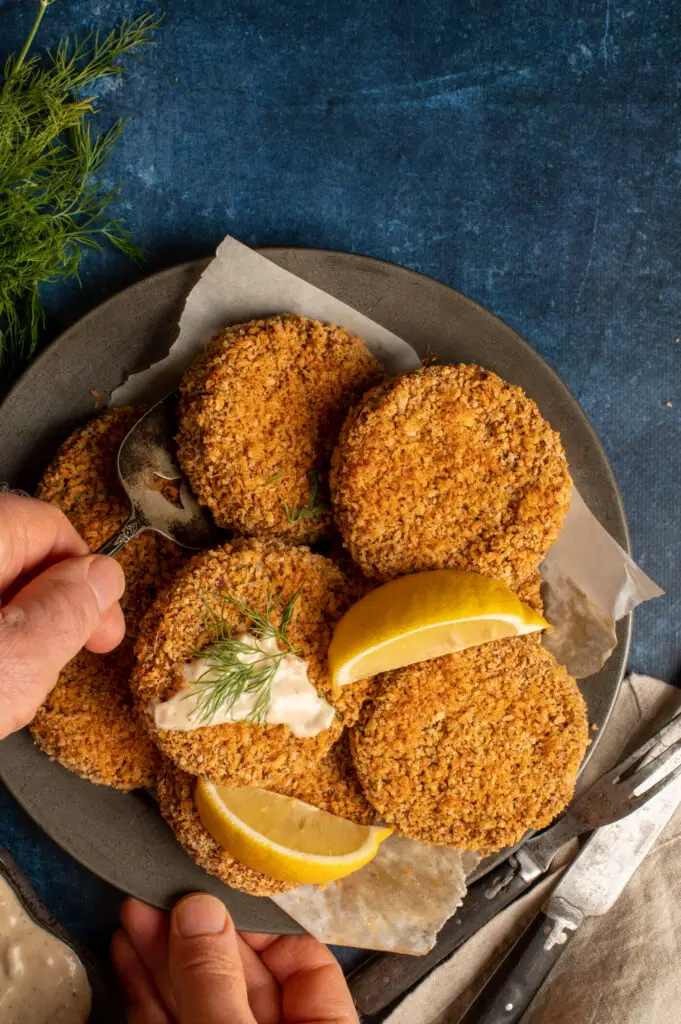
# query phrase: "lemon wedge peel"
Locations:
[[423, 616], [253, 848]]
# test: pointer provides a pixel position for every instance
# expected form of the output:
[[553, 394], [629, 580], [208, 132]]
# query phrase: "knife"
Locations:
[[589, 888], [385, 977]]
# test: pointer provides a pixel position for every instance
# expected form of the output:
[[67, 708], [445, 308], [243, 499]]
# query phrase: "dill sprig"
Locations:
[[313, 509], [52, 206], [229, 677]]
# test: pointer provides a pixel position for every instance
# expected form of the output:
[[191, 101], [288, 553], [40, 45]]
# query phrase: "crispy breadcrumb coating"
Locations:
[[244, 753], [332, 785], [529, 591], [88, 721], [473, 749], [175, 790], [259, 413], [449, 467]]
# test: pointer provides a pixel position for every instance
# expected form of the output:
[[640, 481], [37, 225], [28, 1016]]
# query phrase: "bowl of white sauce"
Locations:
[[47, 976]]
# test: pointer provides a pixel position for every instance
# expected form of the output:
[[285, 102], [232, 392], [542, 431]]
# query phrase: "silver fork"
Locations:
[[385, 977], [617, 793]]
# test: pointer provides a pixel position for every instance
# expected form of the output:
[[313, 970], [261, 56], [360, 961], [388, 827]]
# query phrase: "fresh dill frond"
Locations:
[[53, 207], [313, 509], [227, 677], [277, 476]]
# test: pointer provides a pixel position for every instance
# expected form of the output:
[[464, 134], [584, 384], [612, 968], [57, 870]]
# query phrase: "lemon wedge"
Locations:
[[423, 616], [283, 837]]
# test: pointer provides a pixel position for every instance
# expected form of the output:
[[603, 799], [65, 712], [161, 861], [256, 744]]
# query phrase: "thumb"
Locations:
[[45, 625], [206, 972]]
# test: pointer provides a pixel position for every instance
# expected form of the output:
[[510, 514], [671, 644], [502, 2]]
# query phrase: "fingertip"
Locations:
[[106, 580], [130, 904], [285, 956], [109, 633], [322, 990], [141, 920], [132, 910], [199, 914], [122, 952], [143, 1001], [206, 969], [259, 941]]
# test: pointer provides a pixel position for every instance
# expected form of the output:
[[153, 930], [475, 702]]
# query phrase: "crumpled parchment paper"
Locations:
[[240, 285], [402, 898], [367, 909], [589, 582]]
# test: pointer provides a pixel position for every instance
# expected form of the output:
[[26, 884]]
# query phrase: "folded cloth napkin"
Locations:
[[624, 968]]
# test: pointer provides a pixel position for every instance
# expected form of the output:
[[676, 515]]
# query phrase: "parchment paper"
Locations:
[[398, 902], [589, 583], [240, 285], [402, 899]]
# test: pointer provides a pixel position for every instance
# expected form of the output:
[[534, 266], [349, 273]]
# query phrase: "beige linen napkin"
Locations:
[[624, 968]]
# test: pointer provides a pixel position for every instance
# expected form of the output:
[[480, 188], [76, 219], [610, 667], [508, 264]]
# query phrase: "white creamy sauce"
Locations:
[[42, 981], [293, 699]]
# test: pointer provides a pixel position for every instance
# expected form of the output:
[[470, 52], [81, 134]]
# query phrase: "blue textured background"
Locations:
[[526, 153]]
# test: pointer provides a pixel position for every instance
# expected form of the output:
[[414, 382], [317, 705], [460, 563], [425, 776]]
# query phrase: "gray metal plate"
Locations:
[[122, 837]]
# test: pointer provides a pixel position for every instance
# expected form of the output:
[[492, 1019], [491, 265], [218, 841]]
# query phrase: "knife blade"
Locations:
[[589, 888]]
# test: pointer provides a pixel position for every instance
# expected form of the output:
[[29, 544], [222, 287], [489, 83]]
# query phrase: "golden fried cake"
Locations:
[[259, 414], [449, 467], [332, 785], [88, 721], [83, 481], [175, 791], [473, 749], [529, 591], [176, 628]]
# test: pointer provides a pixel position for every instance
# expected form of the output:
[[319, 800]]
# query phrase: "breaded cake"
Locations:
[[178, 627], [175, 791], [473, 749], [259, 413], [529, 591], [331, 785], [88, 721], [449, 467], [89, 725]]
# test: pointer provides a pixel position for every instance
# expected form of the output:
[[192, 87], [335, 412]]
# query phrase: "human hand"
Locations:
[[194, 968], [56, 598]]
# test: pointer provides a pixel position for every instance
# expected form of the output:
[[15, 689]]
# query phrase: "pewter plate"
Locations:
[[121, 837]]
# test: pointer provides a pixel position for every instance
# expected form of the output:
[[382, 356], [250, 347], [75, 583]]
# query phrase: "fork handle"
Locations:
[[515, 983], [123, 535], [387, 976]]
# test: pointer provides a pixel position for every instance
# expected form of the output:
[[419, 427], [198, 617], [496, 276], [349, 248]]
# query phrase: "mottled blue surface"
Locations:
[[527, 153]]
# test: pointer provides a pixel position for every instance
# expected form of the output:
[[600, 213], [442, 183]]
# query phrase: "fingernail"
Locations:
[[106, 580], [200, 915]]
